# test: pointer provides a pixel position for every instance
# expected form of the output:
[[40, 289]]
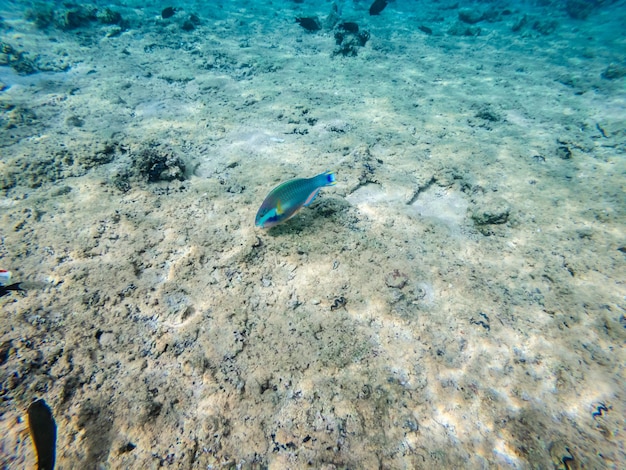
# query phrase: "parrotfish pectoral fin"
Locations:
[[279, 208], [311, 197]]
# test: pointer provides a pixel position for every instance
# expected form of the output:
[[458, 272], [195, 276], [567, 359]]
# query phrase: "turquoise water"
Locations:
[[456, 300]]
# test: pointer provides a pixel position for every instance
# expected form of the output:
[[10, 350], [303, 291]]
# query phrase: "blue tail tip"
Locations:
[[330, 177]]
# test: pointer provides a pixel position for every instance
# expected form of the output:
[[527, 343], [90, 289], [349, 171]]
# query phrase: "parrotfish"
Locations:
[[4, 290], [43, 432], [286, 199]]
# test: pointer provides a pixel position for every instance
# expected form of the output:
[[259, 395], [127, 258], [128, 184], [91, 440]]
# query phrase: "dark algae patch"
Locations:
[[157, 162], [16, 59]]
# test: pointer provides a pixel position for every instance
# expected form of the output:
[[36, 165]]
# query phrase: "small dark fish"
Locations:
[[349, 27], [43, 432], [425, 29], [168, 12], [310, 23], [377, 7], [4, 290]]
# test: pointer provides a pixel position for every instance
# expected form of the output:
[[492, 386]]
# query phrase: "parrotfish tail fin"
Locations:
[[330, 178]]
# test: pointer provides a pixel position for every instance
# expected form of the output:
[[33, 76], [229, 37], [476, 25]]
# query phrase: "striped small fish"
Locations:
[[286, 199]]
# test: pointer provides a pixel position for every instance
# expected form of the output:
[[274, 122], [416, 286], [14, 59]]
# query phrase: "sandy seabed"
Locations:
[[457, 300]]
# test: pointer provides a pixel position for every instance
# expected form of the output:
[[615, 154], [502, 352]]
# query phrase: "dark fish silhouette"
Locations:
[[425, 29], [168, 12], [4, 290], [43, 432], [310, 23], [377, 7]]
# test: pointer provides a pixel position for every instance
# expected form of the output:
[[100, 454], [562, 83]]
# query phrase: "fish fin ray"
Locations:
[[311, 197]]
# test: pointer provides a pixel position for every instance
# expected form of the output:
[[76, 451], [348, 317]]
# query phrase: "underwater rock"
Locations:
[[17, 116], [563, 152], [613, 72], [492, 15], [76, 17], [16, 60], [561, 455], [121, 180], [396, 279], [348, 43], [190, 23], [495, 212], [333, 17], [24, 66], [523, 21], [37, 168], [33, 171], [488, 115], [114, 31], [5, 53], [579, 9], [310, 23], [571, 81], [74, 121], [470, 16], [41, 15], [108, 16], [545, 27], [104, 153], [460, 29], [159, 163], [128, 447]]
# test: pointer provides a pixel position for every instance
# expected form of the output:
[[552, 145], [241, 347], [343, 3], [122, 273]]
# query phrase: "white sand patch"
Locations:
[[442, 204]]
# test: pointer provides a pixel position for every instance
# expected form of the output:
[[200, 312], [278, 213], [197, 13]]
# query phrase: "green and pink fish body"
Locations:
[[286, 199]]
